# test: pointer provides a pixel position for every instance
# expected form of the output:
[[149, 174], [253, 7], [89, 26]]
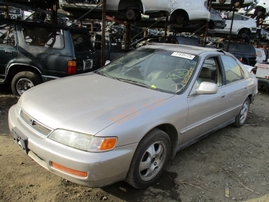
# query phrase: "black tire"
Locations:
[[244, 33], [149, 160], [241, 118], [181, 19], [130, 14], [22, 81]]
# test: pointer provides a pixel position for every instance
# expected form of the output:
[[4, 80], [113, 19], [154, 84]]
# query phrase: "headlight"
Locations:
[[83, 141]]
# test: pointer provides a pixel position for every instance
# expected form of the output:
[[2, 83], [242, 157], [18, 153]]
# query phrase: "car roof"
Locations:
[[196, 50]]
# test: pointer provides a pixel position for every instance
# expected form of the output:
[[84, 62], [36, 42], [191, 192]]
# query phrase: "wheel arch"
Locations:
[[178, 12], [251, 98], [124, 4], [171, 131], [15, 68]]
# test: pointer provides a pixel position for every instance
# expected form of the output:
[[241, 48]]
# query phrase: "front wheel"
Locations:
[[22, 81], [149, 160], [244, 33], [241, 118]]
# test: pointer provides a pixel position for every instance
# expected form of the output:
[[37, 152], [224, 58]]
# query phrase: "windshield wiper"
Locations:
[[103, 74], [139, 83]]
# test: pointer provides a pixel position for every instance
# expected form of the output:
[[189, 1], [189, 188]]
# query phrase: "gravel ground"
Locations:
[[229, 165]]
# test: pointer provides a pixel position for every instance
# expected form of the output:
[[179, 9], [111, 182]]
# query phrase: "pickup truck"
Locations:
[[32, 53]]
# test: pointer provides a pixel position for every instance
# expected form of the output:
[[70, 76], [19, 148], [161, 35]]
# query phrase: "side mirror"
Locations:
[[207, 88]]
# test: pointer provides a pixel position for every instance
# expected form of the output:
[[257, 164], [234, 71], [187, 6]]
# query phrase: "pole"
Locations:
[[103, 42]]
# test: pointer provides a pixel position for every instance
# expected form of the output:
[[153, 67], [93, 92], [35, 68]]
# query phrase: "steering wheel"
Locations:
[[177, 74]]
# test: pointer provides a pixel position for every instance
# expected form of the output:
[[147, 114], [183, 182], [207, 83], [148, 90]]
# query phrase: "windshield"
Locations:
[[157, 69]]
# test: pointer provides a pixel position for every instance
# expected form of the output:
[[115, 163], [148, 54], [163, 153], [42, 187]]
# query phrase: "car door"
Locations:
[[8, 51], [206, 111], [236, 85]]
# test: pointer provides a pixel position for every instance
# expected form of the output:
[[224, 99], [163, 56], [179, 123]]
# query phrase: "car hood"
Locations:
[[86, 103]]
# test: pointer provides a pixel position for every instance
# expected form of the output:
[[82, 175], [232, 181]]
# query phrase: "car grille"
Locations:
[[35, 124]]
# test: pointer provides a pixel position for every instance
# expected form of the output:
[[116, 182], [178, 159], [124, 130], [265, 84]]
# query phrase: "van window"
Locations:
[[7, 34], [41, 36]]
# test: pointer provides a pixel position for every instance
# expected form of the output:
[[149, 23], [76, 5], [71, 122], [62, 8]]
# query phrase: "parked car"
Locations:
[[124, 10], [243, 26], [194, 41], [126, 120], [32, 53], [244, 51]]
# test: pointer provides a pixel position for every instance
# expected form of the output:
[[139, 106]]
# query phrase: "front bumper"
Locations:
[[102, 168]]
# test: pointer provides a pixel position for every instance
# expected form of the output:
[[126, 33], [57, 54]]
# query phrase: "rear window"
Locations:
[[246, 48], [82, 41]]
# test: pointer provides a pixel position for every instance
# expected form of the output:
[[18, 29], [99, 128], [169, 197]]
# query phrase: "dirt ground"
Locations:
[[229, 165]]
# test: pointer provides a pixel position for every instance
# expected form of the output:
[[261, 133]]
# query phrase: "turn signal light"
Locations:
[[108, 144], [68, 170]]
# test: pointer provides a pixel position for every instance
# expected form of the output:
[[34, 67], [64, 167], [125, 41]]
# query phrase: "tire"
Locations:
[[181, 20], [241, 118], [149, 160], [244, 33], [130, 14], [22, 81]]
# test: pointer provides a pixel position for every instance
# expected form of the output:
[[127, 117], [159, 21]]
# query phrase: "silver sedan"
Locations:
[[127, 120]]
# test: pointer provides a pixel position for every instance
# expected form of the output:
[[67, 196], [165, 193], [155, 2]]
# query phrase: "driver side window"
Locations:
[[210, 72]]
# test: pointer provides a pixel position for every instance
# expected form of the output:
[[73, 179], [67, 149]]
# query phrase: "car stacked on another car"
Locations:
[[121, 9], [242, 26], [126, 120], [180, 12]]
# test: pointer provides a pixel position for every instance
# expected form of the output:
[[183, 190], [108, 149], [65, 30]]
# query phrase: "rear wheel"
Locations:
[[149, 160], [182, 19], [241, 118], [22, 81]]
